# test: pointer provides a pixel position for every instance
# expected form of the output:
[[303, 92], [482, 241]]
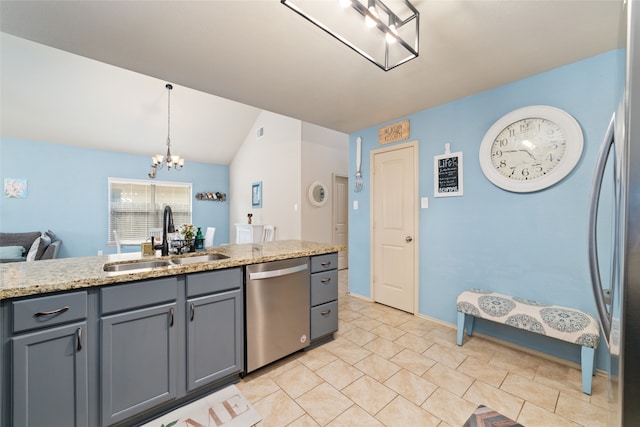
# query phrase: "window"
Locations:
[[135, 206]]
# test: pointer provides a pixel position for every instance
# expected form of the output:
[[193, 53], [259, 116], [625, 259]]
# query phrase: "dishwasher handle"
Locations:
[[277, 273]]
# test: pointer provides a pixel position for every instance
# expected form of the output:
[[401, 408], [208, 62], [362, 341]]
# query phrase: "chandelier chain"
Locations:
[[169, 87]]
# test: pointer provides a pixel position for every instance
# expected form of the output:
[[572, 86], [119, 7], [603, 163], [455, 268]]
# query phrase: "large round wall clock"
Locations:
[[531, 148]]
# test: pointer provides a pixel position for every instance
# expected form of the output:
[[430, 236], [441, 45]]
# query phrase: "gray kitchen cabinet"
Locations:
[[215, 326], [49, 363], [324, 297], [139, 347]]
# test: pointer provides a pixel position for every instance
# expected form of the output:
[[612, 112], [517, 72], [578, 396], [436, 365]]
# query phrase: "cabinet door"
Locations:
[[139, 361], [215, 331], [324, 319], [50, 377]]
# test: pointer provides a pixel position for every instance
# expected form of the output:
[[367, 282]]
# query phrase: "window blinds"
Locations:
[[135, 206]]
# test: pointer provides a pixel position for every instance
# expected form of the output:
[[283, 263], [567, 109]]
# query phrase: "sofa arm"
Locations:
[[52, 250]]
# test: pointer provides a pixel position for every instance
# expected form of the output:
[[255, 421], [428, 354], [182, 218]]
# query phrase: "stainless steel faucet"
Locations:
[[167, 227]]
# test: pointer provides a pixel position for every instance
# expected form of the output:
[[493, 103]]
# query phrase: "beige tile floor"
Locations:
[[389, 368]]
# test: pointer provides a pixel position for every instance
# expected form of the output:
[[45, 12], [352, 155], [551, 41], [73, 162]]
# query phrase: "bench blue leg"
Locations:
[[460, 331], [588, 359], [469, 323], [464, 321]]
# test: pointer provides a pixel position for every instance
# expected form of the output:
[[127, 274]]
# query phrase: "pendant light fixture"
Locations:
[[169, 160], [385, 32]]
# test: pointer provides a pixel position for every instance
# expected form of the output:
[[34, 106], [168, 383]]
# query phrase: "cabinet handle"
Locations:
[[171, 317], [52, 312], [325, 313], [79, 346], [193, 311], [325, 264], [326, 280]]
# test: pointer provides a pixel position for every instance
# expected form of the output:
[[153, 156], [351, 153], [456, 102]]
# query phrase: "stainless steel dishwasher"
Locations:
[[278, 310]]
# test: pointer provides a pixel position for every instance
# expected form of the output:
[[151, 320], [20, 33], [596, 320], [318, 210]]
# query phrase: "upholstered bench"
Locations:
[[554, 321]]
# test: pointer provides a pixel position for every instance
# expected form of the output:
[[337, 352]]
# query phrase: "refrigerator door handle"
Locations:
[[596, 281]]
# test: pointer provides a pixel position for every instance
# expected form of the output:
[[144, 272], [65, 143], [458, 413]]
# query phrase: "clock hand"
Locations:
[[520, 151]]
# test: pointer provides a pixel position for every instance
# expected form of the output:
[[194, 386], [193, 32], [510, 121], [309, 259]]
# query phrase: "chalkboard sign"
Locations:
[[447, 180]]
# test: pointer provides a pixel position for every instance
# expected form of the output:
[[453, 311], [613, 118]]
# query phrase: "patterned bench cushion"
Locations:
[[563, 323]]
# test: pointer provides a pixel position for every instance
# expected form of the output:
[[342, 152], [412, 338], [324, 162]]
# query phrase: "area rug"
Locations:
[[226, 408], [487, 417]]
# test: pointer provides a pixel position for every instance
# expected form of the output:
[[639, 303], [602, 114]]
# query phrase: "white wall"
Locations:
[[287, 159], [274, 159], [324, 152]]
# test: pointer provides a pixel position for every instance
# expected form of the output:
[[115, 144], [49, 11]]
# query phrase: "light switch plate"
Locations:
[[355, 205], [424, 202]]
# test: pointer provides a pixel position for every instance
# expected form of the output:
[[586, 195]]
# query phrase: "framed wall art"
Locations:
[[256, 194], [15, 188], [447, 171]]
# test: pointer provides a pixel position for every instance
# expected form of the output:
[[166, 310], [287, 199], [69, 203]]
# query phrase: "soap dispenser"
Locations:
[[199, 239]]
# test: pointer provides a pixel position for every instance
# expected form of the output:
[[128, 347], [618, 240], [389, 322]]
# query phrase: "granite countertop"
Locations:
[[20, 279]]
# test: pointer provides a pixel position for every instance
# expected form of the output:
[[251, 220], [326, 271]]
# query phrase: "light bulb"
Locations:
[[391, 34], [345, 3], [368, 20]]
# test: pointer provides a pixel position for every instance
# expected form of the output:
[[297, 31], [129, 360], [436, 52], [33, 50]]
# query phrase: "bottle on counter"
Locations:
[[199, 239]]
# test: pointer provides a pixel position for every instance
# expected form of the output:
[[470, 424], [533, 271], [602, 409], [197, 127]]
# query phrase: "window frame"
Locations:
[[158, 211]]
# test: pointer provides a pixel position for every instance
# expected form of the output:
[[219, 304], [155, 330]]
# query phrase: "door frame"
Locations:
[[416, 229], [334, 211]]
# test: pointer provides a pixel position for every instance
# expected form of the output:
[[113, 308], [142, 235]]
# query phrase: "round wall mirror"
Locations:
[[318, 194]]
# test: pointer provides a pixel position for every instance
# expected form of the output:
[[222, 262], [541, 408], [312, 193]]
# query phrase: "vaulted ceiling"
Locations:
[[258, 55]]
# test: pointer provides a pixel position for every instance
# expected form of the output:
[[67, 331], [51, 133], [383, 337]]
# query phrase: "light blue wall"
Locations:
[[530, 245], [67, 192]]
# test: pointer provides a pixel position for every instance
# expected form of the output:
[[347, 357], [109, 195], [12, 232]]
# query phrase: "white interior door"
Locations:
[[394, 218], [341, 217]]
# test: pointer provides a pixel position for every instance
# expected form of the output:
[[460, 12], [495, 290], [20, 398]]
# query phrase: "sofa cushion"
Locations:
[[38, 247], [52, 250], [51, 235], [19, 239], [11, 252]]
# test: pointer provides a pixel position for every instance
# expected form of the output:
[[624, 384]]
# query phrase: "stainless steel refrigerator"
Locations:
[[615, 269]]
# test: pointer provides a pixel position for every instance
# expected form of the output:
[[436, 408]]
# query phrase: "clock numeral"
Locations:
[[525, 172], [537, 168], [502, 164], [497, 153], [504, 142], [549, 157]]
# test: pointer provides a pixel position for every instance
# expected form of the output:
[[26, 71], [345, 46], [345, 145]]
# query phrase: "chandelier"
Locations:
[[386, 33], [169, 160]]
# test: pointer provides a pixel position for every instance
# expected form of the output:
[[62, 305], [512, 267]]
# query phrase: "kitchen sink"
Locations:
[[198, 258], [178, 260], [137, 265]]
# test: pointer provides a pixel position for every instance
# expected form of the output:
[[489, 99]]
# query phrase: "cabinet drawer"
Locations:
[[324, 287], [138, 294], [324, 262], [211, 282], [324, 319], [44, 312]]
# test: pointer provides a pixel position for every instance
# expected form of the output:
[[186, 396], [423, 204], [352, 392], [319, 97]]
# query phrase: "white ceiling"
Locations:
[[264, 56]]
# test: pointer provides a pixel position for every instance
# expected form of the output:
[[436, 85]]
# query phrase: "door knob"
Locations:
[[408, 239]]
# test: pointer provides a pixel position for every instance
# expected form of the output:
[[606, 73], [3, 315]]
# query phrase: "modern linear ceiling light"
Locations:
[[386, 33], [169, 160]]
